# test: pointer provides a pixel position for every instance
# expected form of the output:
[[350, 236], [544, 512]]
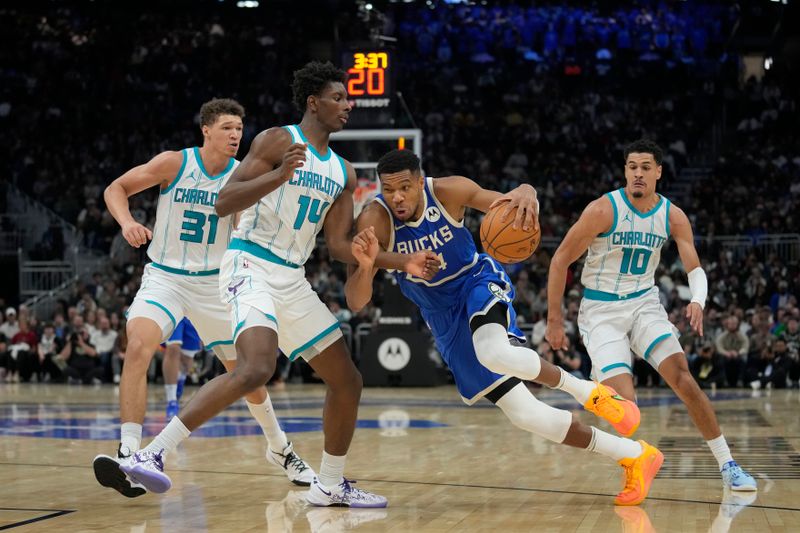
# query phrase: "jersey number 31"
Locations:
[[194, 227]]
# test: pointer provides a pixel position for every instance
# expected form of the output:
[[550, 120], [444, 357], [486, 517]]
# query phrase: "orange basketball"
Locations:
[[503, 242]]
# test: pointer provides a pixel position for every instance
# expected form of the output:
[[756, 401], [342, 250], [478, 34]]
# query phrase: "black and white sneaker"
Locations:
[[297, 470], [108, 473]]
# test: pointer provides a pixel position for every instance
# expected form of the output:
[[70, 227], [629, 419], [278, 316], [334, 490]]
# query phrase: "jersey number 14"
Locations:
[[310, 209]]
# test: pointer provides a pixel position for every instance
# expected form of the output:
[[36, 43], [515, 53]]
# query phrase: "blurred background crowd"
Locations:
[[545, 93]]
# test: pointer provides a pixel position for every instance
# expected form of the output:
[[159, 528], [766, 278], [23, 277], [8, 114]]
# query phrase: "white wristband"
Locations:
[[698, 286]]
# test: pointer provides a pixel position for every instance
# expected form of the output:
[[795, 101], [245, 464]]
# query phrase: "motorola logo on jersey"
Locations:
[[498, 292], [394, 354], [432, 214]]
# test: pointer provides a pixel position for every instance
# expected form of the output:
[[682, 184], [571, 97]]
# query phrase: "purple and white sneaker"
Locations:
[[147, 468], [342, 495]]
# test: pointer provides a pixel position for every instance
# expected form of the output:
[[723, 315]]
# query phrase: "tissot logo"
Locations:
[[432, 214], [394, 354]]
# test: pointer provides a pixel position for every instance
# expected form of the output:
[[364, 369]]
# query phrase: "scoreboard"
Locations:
[[370, 86]]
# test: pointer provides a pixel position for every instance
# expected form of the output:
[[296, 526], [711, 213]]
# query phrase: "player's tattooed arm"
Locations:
[[595, 219], [160, 170], [270, 162]]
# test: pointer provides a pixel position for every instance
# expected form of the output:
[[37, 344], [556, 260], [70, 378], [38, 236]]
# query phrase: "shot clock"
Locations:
[[370, 86]]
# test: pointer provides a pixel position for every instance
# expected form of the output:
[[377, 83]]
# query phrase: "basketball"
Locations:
[[503, 242]]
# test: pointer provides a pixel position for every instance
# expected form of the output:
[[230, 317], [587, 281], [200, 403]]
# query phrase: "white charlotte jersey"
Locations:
[[623, 260], [188, 236], [284, 224]]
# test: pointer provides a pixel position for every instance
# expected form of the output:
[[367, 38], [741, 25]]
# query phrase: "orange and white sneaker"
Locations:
[[639, 474], [621, 413]]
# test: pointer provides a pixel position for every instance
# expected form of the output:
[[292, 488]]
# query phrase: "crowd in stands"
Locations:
[[546, 95]]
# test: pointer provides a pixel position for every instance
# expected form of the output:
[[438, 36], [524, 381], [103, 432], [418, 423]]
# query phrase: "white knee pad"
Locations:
[[528, 413], [496, 353]]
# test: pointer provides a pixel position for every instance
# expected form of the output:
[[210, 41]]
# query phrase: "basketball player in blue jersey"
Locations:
[[188, 242], [467, 306], [179, 352], [621, 313], [290, 185]]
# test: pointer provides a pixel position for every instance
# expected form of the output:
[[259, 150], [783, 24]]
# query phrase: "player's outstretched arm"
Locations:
[[270, 162], [458, 192], [595, 219], [160, 170], [681, 230]]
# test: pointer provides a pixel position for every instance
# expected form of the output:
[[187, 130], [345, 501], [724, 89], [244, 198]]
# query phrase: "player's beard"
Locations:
[[638, 194]]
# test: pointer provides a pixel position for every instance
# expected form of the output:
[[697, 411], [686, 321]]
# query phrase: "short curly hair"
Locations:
[[213, 109], [311, 80]]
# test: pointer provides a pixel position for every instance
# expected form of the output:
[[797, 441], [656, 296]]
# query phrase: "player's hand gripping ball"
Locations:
[[503, 242]]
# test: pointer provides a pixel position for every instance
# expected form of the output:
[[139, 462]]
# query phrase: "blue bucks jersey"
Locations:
[[623, 260], [188, 236], [467, 285], [435, 230]]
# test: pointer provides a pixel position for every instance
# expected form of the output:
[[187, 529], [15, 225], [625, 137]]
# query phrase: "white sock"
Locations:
[[169, 438], [265, 416], [580, 389], [719, 447], [172, 392], [130, 437], [612, 446], [332, 469]]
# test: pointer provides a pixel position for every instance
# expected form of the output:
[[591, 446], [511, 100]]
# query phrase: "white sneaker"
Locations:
[[297, 470], [108, 472], [342, 495], [147, 468], [328, 520]]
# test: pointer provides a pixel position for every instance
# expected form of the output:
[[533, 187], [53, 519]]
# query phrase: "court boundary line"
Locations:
[[443, 484], [54, 513]]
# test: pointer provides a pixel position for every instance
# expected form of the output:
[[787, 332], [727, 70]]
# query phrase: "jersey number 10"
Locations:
[[634, 261], [193, 227]]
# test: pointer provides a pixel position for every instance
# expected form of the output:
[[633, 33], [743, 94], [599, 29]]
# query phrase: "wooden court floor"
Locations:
[[443, 466]]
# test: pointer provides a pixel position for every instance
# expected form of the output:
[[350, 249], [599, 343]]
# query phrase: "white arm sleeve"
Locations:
[[698, 286]]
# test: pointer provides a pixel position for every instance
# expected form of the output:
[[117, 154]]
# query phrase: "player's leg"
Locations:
[[493, 324], [675, 372], [185, 369], [640, 460], [653, 337], [151, 318], [256, 340], [171, 368], [310, 331], [336, 368], [280, 451], [257, 351]]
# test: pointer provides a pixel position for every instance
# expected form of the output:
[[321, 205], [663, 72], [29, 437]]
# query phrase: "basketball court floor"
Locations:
[[443, 466]]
